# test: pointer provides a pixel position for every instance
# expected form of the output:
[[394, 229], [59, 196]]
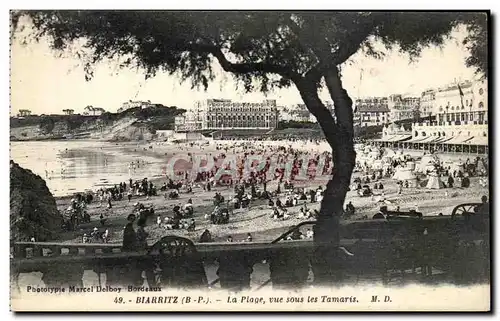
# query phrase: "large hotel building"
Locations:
[[226, 114], [458, 122]]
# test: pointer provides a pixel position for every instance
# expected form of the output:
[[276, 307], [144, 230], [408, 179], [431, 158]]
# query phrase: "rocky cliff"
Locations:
[[33, 210], [132, 124]]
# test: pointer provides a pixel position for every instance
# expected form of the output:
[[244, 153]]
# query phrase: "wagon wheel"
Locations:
[[464, 209], [173, 246]]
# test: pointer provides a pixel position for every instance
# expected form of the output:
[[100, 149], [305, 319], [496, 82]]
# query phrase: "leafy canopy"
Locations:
[[272, 49]]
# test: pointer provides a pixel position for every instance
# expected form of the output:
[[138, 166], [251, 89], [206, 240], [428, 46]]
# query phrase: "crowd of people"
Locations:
[[253, 187]]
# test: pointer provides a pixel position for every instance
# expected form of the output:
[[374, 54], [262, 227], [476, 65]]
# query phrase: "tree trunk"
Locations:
[[339, 133]]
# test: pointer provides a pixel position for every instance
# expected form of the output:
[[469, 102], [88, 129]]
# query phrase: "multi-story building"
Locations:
[[427, 103], [459, 122], [466, 102], [134, 104], [226, 114], [93, 111], [301, 113], [402, 107], [371, 111]]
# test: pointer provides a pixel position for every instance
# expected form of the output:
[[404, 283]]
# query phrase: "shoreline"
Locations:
[[163, 151]]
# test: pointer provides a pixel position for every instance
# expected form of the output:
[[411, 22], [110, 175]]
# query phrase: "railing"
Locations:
[[372, 247]]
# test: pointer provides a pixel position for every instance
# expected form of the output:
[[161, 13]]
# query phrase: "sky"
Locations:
[[47, 84]]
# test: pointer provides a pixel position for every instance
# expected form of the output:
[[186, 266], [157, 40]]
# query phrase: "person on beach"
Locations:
[[95, 235], [129, 235], [484, 208], [249, 237], [206, 237], [381, 214], [141, 235], [192, 226], [188, 208], [450, 181], [229, 239], [349, 209], [106, 236]]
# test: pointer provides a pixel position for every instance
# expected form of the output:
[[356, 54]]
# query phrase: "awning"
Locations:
[[393, 138], [441, 140], [480, 141], [457, 140], [416, 140], [429, 139], [404, 138]]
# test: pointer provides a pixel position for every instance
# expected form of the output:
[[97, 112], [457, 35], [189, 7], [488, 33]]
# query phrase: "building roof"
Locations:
[[372, 108]]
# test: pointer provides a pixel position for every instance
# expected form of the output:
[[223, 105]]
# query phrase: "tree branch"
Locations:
[[243, 68], [309, 93], [341, 100]]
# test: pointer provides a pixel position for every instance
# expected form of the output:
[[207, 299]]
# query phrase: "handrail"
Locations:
[[282, 236]]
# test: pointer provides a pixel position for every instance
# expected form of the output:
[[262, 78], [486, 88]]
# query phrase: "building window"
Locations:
[[481, 105], [484, 134], [481, 91]]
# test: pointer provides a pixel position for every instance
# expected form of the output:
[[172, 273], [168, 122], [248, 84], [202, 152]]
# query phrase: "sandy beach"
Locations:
[[257, 218]]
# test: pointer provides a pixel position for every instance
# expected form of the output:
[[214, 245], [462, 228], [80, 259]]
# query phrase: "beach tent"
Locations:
[[386, 160], [389, 153], [427, 163], [482, 166], [457, 166], [411, 165], [359, 147], [406, 174], [434, 182], [398, 155], [377, 164]]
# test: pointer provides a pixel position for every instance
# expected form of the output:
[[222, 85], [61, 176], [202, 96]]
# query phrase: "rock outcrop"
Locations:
[[33, 210]]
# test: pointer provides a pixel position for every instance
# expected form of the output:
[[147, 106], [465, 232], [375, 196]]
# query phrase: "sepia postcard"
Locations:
[[249, 161]]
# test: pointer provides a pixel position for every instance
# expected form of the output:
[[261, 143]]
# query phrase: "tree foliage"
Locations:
[[47, 125], [252, 45]]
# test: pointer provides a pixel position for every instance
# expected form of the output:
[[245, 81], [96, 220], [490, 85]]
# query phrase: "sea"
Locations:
[[70, 167]]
